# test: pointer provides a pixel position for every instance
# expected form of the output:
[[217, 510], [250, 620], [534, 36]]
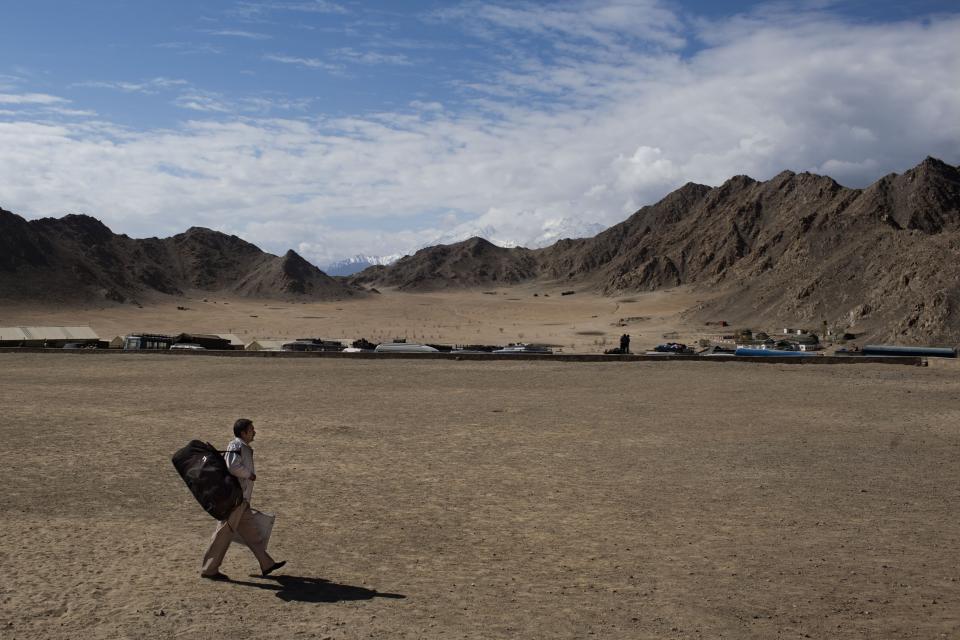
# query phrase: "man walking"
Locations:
[[239, 458]]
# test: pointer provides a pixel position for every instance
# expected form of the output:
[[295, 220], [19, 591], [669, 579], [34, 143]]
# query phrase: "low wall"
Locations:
[[558, 357]]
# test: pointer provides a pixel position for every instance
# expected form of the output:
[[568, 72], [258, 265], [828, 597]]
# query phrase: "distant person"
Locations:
[[625, 343], [239, 459]]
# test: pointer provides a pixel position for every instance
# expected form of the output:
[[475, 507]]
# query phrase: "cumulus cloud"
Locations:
[[549, 145]]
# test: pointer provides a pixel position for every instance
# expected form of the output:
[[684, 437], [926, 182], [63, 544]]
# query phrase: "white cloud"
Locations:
[[612, 24], [614, 133], [311, 63], [9, 82], [197, 101], [212, 102], [152, 86], [426, 106], [238, 33], [369, 57], [254, 10], [30, 98], [647, 167], [71, 113], [190, 48]]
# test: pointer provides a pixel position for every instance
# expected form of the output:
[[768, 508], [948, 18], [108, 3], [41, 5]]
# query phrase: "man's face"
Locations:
[[248, 435]]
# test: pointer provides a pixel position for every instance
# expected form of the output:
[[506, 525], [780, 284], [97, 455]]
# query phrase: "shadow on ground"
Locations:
[[303, 589]]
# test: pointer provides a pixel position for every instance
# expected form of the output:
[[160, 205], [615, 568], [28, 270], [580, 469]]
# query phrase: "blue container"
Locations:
[[773, 353]]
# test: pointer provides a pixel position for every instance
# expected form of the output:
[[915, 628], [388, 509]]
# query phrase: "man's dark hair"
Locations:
[[241, 425]]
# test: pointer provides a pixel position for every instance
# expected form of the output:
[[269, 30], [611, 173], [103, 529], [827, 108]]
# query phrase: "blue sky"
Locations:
[[336, 128]]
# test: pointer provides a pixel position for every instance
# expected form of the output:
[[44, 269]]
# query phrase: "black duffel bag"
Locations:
[[204, 470]]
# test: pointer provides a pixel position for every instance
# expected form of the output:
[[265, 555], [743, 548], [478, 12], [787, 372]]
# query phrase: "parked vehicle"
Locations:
[[404, 347], [671, 348], [313, 344], [717, 351], [521, 348], [188, 346]]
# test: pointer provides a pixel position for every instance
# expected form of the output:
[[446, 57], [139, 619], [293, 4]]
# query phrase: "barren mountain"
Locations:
[[78, 259], [796, 249], [470, 263]]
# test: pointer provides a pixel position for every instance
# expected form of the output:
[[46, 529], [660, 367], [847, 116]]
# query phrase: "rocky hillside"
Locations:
[[471, 263], [798, 249], [77, 258], [795, 249]]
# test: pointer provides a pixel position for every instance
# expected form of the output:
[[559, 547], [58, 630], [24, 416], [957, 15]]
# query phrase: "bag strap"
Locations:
[[219, 451]]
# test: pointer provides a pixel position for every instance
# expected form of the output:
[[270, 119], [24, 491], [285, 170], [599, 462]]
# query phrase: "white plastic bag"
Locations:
[[264, 524]]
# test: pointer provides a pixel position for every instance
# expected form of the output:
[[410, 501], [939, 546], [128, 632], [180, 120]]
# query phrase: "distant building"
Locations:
[[137, 341], [235, 341], [313, 344], [808, 342]]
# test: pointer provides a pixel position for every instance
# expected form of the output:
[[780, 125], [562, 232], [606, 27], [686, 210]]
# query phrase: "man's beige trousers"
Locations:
[[241, 522]]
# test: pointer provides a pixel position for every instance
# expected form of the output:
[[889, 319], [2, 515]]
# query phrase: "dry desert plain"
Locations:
[[583, 322], [446, 499]]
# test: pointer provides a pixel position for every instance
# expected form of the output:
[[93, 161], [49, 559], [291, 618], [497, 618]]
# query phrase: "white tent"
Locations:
[[235, 341], [48, 333], [267, 345], [40, 336]]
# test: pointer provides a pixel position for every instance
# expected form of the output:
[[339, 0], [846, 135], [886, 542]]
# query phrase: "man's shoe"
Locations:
[[276, 565], [219, 577]]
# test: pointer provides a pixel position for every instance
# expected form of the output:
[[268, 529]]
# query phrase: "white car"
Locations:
[[404, 347], [525, 348]]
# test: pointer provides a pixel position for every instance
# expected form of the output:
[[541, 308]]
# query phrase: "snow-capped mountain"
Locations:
[[540, 235], [565, 228], [350, 266]]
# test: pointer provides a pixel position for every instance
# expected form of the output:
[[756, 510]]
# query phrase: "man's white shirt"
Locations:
[[239, 458]]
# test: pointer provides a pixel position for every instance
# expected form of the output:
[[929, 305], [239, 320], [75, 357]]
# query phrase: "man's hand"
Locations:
[[253, 476]]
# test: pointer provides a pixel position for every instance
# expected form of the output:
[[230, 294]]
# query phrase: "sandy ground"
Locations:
[[498, 499], [583, 322]]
